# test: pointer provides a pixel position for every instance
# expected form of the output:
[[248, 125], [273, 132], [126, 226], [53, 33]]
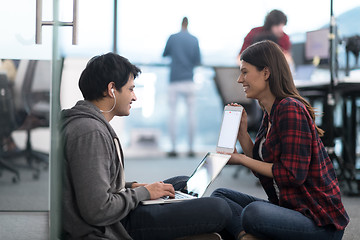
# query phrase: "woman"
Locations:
[[288, 157]]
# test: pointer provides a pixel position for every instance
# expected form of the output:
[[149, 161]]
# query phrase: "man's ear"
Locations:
[[110, 89]]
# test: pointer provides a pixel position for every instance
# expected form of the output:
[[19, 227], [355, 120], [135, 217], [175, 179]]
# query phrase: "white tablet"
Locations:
[[229, 129]]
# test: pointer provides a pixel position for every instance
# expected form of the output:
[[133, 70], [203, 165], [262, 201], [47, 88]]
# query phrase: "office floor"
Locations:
[[33, 225]]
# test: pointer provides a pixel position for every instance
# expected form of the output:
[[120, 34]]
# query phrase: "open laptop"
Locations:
[[212, 164], [304, 72]]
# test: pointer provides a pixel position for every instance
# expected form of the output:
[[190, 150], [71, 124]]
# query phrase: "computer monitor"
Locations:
[[317, 44]]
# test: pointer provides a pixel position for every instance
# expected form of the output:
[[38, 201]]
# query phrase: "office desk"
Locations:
[[346, 93]]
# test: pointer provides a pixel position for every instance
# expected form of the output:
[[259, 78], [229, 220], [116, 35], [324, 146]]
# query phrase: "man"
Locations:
[[183, 48], [97, 201], [273, 29]]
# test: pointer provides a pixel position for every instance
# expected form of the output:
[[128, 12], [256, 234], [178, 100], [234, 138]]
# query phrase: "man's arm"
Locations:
[[167, 48], [99, 203], [197, 57]]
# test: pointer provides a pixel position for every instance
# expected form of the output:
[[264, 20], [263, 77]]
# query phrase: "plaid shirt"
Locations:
[[302, 168]]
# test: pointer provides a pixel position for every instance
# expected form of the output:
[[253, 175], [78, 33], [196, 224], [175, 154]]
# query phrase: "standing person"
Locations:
[[97, 201], [273, 29], [288, 157], [183, 48]]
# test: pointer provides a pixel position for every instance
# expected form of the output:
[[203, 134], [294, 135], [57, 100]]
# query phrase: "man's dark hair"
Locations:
[[185, 22], [275, 17], [103, 69]]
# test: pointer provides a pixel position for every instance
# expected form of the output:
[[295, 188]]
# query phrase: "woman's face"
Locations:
[[254, 82], [278, 30]]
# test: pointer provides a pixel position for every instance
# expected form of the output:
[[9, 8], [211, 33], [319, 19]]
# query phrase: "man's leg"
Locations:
[[191, 115], [178, 182], [170, 221], [173, 96]]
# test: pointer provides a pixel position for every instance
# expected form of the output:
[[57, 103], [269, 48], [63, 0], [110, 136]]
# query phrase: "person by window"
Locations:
[[183, 49], [273, 29], [288, 157]]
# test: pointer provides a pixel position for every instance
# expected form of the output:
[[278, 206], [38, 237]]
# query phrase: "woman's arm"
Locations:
[[246, 143], [260, 167], [244, 137]]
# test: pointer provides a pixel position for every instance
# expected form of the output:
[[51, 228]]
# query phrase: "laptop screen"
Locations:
[[205, 173]]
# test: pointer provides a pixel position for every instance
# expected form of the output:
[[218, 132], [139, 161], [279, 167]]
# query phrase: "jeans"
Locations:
[[269, 221], [170, 221]]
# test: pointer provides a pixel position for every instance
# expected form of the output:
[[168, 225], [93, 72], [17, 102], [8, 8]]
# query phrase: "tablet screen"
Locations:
[[229, 128]]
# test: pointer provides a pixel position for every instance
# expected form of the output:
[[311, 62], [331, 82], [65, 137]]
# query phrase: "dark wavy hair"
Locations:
[[273, 18], [268, 54], [103, 69]]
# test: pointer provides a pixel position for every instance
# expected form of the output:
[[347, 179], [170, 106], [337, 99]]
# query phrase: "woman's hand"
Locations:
[[234, 160], [243, 122], [243, 135]]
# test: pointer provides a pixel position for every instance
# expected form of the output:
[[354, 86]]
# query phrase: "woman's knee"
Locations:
[[253, 215], [220, 193]]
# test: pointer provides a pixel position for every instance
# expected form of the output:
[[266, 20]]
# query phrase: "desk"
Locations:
[[346, 93]]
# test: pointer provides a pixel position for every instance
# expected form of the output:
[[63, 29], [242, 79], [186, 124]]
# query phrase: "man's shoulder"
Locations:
[[81, 126]]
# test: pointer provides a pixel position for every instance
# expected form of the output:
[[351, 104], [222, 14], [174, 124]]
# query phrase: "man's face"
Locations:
[[125, 97], [278, 30]]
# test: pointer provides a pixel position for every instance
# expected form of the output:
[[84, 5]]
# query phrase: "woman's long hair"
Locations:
[[268, 54]]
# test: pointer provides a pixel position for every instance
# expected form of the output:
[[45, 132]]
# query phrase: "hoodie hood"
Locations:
[[85, 109]]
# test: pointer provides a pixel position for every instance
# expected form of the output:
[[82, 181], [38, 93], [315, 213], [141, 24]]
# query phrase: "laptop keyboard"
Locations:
[[178, 196], [181, 196]]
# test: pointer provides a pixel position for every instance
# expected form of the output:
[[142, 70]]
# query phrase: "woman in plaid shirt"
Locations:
[[288, 157]]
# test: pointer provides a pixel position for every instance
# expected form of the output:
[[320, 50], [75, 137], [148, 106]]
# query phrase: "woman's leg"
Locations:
[[170, 221], [269, 221], [237, 202]]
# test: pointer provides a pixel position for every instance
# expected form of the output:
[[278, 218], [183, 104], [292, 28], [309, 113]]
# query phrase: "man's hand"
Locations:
[[135, 185], [160, 189]]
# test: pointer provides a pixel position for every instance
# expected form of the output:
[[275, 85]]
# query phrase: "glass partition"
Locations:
[[25, 144]]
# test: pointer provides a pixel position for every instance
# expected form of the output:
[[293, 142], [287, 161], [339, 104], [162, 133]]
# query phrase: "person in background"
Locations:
[[9, 68], [288, 157], [183, 49], [273, 29], [98, 203]]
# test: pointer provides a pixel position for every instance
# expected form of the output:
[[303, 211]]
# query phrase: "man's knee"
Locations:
[[218, 209]]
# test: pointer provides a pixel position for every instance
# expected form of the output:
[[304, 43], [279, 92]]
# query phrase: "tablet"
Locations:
[[229, 129]]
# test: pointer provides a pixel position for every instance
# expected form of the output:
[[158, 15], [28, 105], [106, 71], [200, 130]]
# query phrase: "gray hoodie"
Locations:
[[94, 200]]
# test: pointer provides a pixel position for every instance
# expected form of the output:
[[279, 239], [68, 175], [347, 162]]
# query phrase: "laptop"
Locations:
[[212, 164], [304, 72]]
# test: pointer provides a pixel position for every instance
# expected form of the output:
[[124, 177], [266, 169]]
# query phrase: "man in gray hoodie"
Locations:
[[97, 201]]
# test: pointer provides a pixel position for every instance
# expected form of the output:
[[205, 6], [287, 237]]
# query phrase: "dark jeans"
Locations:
[[266, 220], [170, 221]]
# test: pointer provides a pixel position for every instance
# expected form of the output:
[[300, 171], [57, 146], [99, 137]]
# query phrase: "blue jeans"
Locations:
[[269, 221], [170, 221]]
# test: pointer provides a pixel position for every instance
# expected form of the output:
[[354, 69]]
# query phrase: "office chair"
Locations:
[[7, 123], [231, 91], [32, 96]]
